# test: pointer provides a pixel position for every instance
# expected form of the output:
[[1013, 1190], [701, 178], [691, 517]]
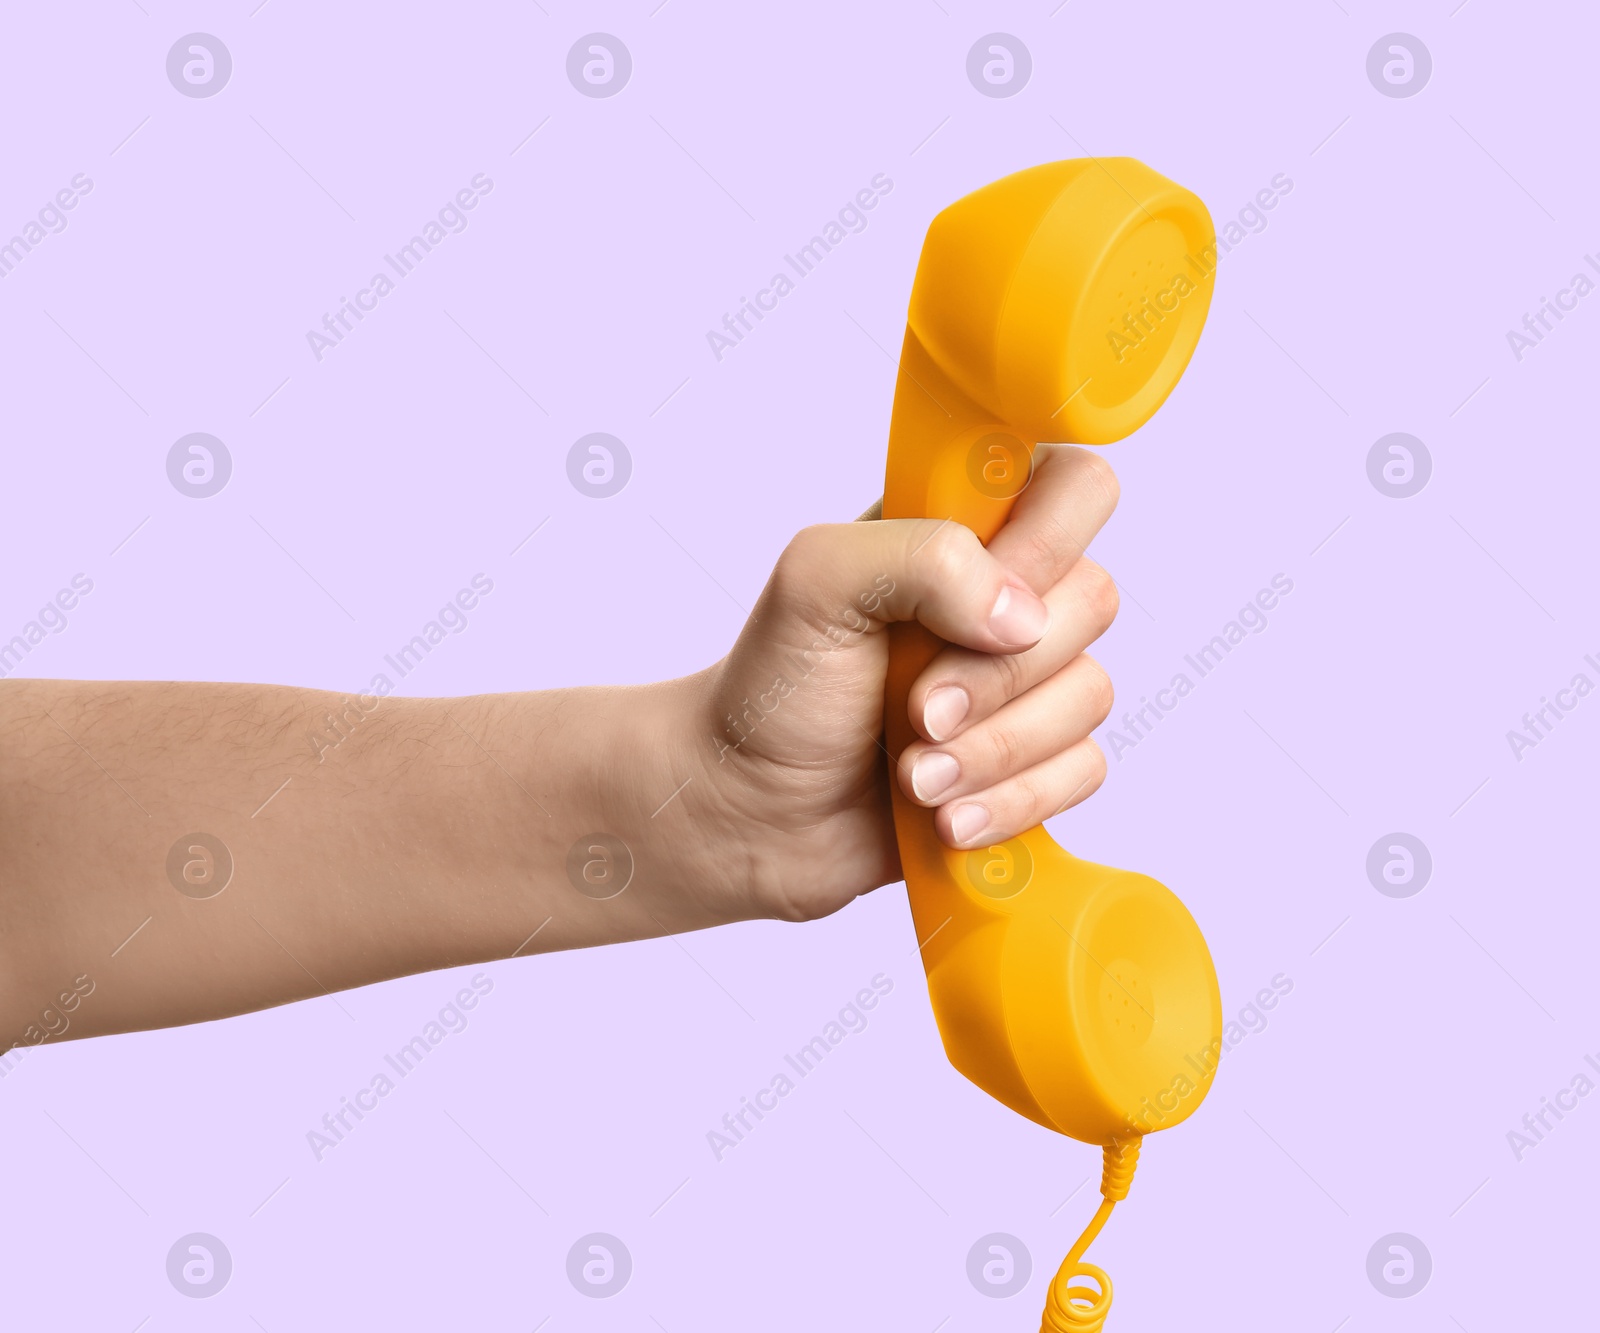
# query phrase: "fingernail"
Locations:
[[943, 711], [1019, 618], [933, 773], [967, 821]]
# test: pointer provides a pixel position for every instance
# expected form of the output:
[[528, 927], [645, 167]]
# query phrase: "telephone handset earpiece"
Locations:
[[1061, 303]]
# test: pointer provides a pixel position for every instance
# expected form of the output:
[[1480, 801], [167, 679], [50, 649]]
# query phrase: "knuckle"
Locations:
[[1081, 779], [1101, 594], [1005, 751], [1011, 673], [809, 544], [1097, 688], [1095, 765], [947, 554], [795, 573], [1027, 804], [1103, 477], [799, 550], [1050, 545]]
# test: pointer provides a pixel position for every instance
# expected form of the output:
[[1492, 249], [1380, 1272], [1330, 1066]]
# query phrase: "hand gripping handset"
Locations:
[[1061, 303]]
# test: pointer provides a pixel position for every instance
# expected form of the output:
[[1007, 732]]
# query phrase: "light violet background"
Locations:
[[368, 487]]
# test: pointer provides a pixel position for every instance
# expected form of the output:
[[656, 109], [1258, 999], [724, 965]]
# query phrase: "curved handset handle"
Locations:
[[1061, 303]]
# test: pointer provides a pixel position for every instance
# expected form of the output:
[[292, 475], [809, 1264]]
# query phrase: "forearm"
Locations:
[[367, 838], [171, 853]]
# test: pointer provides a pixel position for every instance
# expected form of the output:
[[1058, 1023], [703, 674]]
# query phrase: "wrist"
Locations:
[[727, 835], [657, 788]]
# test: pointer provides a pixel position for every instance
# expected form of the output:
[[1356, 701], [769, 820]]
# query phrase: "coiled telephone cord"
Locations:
[[1082, 1308]]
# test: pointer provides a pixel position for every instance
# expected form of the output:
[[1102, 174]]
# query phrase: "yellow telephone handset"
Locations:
[[1061, 303]]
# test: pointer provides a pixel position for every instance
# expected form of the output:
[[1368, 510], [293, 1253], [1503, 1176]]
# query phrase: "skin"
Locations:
[[436, 832]]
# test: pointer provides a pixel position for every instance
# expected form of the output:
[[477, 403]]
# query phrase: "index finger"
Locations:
[[1068, 499]]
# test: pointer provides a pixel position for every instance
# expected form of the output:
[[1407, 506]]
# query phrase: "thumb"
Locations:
[[933, 571]]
